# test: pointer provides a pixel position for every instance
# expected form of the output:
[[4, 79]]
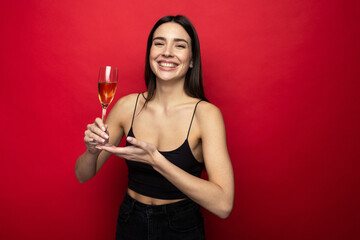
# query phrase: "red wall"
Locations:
[[285, 74]]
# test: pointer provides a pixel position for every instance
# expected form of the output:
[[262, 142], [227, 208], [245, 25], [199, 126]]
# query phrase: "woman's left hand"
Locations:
[[139, 151]]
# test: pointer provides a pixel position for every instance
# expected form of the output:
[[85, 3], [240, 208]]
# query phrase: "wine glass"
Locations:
[[108, 77]]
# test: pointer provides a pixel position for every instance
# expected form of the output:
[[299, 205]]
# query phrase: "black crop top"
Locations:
[[145, 180]]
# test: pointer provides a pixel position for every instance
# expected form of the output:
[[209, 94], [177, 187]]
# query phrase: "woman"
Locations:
[[172, 132]]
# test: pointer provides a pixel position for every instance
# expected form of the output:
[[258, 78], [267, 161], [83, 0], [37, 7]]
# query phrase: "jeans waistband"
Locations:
[[165, 208]]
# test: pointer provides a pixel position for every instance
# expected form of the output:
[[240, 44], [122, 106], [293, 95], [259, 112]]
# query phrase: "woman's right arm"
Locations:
[[91, 161]]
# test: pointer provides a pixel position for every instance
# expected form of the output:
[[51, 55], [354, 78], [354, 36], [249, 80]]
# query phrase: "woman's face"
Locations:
[[170, 52]]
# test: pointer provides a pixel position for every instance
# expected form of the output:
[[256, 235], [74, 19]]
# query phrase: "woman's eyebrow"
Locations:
[[159, 38], [180, 40], [175, 39]]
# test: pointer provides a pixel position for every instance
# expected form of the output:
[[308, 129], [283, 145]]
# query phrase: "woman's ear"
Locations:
[[191, 64]]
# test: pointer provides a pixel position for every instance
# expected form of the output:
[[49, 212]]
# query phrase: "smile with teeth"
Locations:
[[168, 65]]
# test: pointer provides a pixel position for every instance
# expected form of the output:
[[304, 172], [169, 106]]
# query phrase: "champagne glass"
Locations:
[[108, 77]]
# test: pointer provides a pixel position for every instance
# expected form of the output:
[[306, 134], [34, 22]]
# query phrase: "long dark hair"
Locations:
[[193, 85]]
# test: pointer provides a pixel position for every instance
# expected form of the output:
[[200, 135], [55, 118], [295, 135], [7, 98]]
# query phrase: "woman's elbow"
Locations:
[[225, 209], [225, 212], [78, 176], [81, 180]]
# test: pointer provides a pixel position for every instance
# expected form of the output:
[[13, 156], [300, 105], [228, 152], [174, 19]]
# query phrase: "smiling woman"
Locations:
[[170, 54], [178, 133]]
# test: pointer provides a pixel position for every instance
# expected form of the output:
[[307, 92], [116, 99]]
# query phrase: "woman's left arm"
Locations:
[[215, 194]]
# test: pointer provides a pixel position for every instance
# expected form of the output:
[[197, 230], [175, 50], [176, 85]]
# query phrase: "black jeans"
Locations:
[[181, 220]]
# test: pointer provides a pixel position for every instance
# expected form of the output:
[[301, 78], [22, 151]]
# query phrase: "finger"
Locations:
[[133, 141], [106, 129], [95, 137], [96, 130], [100, 124], [138, 143], [129, 150], [111, 148], [88, 139]]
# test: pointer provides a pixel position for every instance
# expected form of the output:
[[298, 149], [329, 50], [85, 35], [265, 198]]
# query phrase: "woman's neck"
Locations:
[[169, 93]]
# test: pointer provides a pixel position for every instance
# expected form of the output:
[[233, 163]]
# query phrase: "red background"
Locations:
[[284, 73]]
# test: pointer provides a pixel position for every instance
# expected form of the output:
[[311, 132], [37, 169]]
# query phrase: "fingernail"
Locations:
[[98, 148], [129, 139], [103, 128], [106, 136], [103, 140]]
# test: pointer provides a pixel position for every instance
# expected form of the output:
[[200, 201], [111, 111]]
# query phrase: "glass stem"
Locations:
[[103, 113]]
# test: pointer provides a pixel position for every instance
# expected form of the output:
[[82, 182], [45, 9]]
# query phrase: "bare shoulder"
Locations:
[[207, 111], [209, 120], [126, 101], [123, 109]]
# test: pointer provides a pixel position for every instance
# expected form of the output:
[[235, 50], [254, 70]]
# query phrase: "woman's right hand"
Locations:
[[96, 134]]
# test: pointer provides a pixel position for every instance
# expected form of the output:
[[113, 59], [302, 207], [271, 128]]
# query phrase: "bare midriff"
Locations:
[[149, 200]]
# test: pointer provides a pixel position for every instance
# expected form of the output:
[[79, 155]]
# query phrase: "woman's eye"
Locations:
[[180, 46], [158, 44]]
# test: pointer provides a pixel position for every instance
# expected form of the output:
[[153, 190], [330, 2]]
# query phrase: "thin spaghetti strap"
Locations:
[[137, 98], [192, 119]]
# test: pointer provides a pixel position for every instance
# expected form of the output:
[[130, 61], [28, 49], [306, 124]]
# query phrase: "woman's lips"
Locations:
[[167, 66]]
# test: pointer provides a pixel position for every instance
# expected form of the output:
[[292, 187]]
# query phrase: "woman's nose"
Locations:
[[168, 51]]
